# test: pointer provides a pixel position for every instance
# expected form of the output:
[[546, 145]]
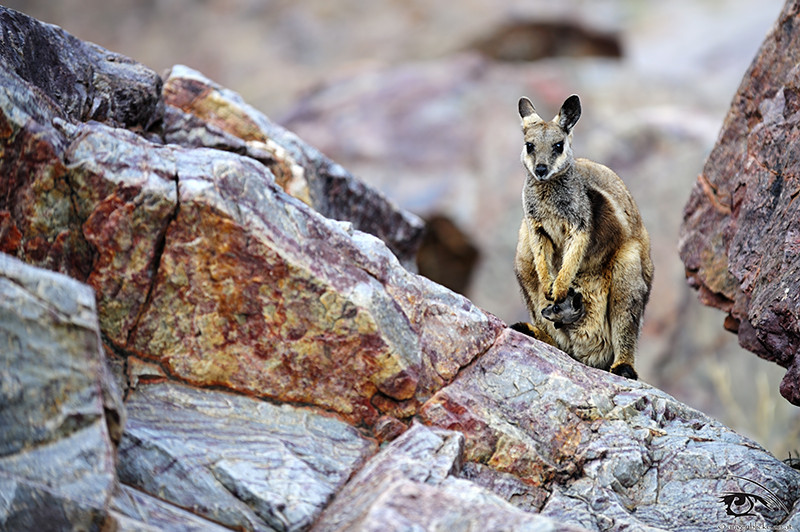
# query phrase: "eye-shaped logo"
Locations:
[[742, 503], [739, 503]]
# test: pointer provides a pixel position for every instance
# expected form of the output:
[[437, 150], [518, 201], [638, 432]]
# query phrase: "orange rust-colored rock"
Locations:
[[202, 264]]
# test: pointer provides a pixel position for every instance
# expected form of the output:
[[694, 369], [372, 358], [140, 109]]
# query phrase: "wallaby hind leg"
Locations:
[[627, 299]]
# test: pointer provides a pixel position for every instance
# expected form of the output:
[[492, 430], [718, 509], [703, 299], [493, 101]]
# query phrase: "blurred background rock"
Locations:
[[419, 99]]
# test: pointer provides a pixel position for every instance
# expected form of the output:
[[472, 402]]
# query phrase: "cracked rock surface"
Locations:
[[204, 265], [248, 298], [422, 464]]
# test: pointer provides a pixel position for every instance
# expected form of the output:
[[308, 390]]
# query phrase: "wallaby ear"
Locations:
[[569, 114], [526, 108]]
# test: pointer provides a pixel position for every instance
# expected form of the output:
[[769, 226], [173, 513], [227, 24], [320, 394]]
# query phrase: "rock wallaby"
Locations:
[[583, 255]]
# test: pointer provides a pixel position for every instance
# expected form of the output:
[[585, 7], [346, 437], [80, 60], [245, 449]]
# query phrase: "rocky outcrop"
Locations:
[[264, 350], [54, 75], [203, 264], [740, 236]]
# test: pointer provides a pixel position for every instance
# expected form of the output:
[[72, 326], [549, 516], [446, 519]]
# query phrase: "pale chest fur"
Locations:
[[556, 210]]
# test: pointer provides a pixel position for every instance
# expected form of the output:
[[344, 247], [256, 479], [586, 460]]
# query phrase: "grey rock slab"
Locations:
[[236, 460], [59, 407], [63, 484]]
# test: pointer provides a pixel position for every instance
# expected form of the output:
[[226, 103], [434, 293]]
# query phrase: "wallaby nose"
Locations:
[[541, 170]]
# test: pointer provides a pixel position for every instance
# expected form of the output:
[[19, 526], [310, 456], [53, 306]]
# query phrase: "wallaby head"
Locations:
[[548, 145]]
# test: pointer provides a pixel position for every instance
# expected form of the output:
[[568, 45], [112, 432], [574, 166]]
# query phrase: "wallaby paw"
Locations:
[[548, 294], [624, 369], [567, 311], [533, 331]]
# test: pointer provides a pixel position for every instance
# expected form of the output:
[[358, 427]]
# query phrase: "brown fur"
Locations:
[[583, 254]]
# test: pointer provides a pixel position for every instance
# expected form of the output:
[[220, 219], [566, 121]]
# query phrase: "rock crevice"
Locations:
[[153, 270]]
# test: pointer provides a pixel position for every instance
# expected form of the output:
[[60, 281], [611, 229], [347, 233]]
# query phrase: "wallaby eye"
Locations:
[[558, 147], [529, 147]]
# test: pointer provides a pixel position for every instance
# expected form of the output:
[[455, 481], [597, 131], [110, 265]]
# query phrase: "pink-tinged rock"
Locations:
[[596, 450], [135, 511], [740, 237]]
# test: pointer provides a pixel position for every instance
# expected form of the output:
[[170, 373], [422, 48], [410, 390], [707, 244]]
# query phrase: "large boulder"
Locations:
[[203, 263], [60, 409], [740, 237]]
